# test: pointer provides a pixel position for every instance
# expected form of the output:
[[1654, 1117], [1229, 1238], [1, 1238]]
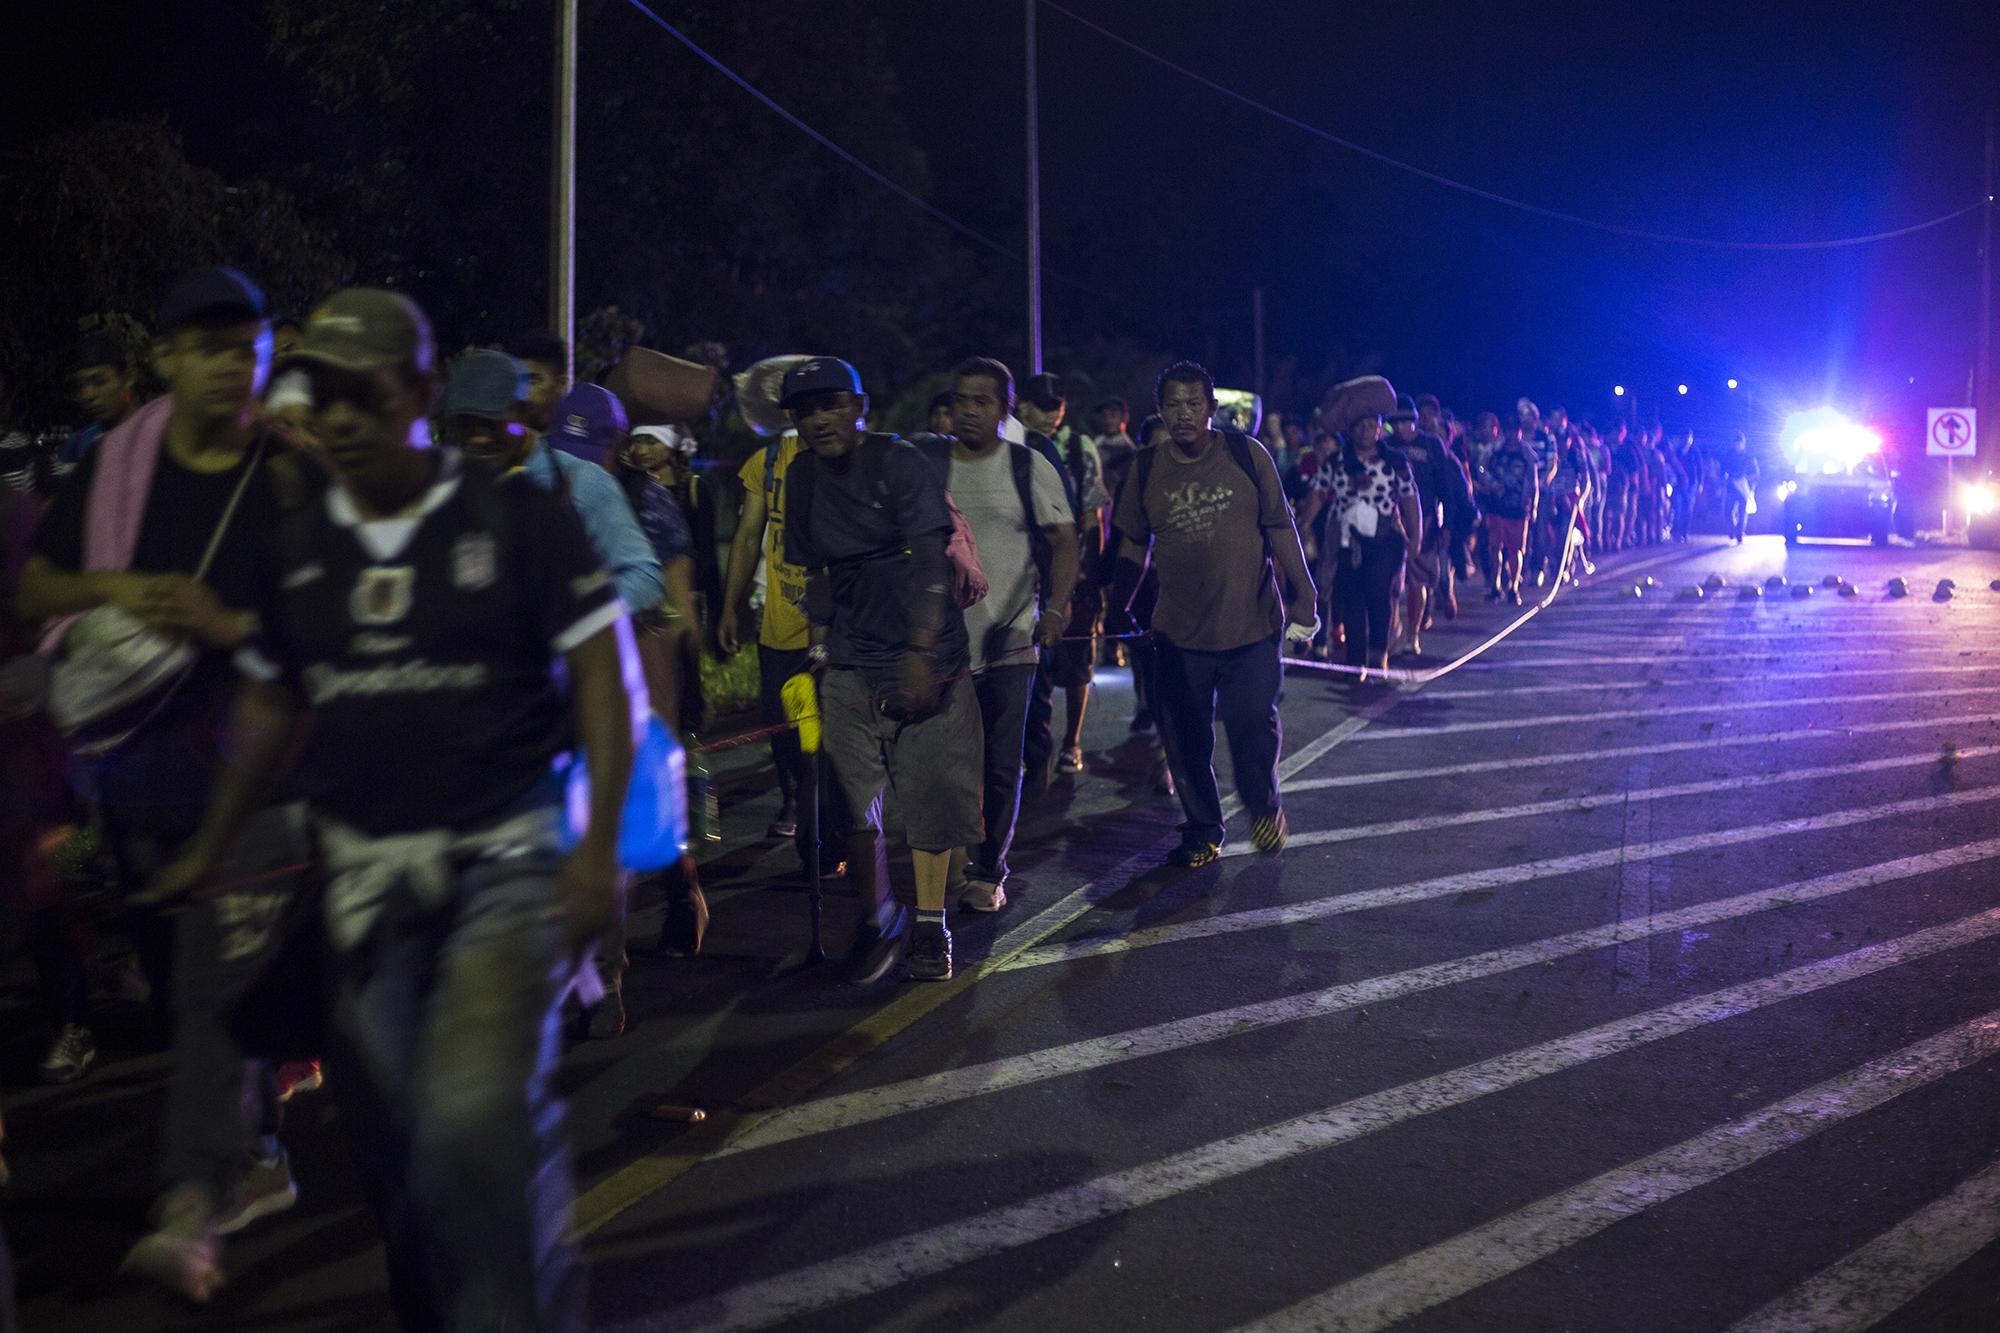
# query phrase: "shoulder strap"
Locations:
[[229, 511], [771, 472], [1021, 461]]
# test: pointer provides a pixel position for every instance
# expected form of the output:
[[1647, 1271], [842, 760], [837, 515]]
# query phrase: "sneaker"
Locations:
[[606, 1018], [786, 825], [1194, 853], [1071, 761], [266, 1188], [295, 1076], [930, 953], [71, 1057], [183, 1253], [982, 894], [875, 948], [1493, 594], [1267, 833]]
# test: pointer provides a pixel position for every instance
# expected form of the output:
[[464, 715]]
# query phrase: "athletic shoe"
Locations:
[[1071, 761], [930, 952], [266, 1188], [296, 1076], [1493, 594], [71, 1057], [183, 1252], [1267, 833], [982, 894], [875, 948], [1194, 853], [785, 824]]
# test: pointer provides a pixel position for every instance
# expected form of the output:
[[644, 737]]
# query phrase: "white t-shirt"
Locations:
[[1002, 626]]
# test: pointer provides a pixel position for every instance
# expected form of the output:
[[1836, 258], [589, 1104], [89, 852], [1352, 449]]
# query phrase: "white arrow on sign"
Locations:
[[1951, 432]]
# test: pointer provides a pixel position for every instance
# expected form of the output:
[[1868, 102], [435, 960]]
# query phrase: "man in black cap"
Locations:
[[418, 607], [866, 519], [165, 524], [106, 389]]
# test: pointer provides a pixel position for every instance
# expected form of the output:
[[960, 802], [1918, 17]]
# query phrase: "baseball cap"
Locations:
[[366, 329], [485, 382], [818, 375], [1406, 409], [672, 436], [1044, 391], [213, 297], [588, 421], [103, 347]]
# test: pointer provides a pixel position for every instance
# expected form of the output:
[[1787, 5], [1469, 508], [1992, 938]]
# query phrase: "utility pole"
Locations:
[[562, 186], [1034, 201], [1982, 386]]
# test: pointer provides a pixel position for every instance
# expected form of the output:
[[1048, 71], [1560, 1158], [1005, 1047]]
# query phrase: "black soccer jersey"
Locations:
[[425, 647]]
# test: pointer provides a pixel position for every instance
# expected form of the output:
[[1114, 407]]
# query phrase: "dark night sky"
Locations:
[[1780, 120]]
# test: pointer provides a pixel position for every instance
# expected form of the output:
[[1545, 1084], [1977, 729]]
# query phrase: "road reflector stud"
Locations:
[[1803, 590], [1775, 582]]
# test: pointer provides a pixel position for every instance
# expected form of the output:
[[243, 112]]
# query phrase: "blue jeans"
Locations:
[[447, 1037], [1191, 692]]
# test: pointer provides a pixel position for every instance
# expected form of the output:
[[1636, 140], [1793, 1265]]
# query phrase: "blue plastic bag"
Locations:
[[653, 832]]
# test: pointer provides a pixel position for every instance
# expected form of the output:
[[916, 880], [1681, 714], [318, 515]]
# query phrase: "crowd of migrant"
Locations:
[[307, 641]]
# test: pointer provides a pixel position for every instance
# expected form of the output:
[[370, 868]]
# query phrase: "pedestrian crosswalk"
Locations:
[[1829, 879]]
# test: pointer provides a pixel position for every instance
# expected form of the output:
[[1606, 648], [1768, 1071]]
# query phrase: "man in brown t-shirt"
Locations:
[[1210, 510]]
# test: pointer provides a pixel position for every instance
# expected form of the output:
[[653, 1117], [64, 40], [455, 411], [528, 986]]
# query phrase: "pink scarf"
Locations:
[[118, 489]]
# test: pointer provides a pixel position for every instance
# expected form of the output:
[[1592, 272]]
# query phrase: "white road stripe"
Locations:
[[940, 1248], [1675, 710], [1696, 682], [1638, 796], [955, 1085], [1622, 751], [1632, 960], [1432, 1276], [1891, 1270], [1423, 890], [1696, 654]]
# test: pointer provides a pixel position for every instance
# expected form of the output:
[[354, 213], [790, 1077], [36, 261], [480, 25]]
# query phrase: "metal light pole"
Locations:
[[562, 186], [1982, 389], [1034, 201], [1257, 338]]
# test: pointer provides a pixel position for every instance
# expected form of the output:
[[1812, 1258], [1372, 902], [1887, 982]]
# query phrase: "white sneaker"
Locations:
[[983, 895], [184, 1251], [266, 1188]]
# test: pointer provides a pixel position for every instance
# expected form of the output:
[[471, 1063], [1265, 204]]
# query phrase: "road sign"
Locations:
[[1951, 432]]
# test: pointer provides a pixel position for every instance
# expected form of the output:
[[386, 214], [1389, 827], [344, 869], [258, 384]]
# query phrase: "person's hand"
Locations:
[[1302, 620], [179, 880], [133, 593], [726, 634], [180, 604], [1049, 629], [919, 685], [587, 894]]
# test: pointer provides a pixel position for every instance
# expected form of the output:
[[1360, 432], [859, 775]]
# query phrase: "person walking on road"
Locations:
[[1739, 478], [1375, 518], [1020, 518], [417, 606], [1509, 491], [1207, 509], [868, 522]]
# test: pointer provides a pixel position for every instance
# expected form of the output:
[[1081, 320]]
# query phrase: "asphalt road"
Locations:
[[1638, 974]]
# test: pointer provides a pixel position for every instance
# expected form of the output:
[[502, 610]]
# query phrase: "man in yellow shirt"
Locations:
[[781, 638]]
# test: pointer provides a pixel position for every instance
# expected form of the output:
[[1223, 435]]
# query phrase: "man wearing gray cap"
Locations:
[[417, 608]]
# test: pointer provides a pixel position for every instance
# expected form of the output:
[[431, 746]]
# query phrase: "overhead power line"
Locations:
[[1636, 233], [888, 183]]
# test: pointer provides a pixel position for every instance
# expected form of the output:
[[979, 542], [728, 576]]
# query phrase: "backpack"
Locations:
[[968, 580], [1021, 461]]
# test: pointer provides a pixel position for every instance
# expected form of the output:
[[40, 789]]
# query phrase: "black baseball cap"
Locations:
[[819, 375], [1044, 391], [212, 298]]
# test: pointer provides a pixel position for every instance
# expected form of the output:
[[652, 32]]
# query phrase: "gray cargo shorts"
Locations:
[[931, 766]]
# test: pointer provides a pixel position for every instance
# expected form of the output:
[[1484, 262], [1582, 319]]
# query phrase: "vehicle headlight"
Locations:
[[1980, 498]]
